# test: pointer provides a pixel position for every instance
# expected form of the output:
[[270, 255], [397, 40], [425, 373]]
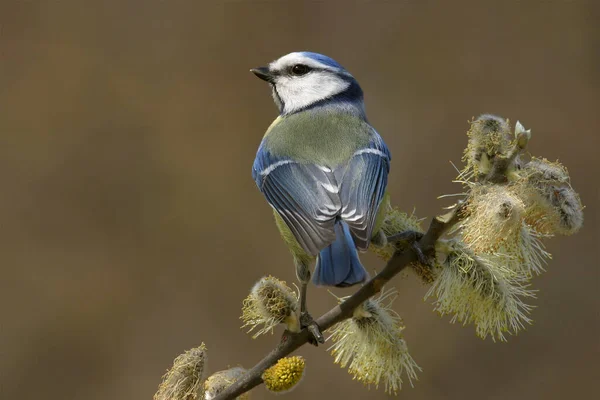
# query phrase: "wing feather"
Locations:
[[304, 195], [362, 189]]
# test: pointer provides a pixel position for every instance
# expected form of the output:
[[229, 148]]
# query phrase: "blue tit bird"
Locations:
[[323, 168]]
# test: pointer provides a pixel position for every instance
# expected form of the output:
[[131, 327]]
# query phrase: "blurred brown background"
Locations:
[[131, 229]]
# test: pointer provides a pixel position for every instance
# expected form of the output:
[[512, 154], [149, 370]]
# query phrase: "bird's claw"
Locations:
[[316, 337], [422, 258], [411, 236]]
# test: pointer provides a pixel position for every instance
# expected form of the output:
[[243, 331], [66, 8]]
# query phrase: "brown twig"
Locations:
[[501, 164]]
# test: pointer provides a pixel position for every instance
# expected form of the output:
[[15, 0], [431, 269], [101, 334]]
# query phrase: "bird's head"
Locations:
[[302, 79]]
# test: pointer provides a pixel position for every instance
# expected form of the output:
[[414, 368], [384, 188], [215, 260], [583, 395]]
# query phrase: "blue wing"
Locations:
[[362, 189], [304, 195], [310, 198]]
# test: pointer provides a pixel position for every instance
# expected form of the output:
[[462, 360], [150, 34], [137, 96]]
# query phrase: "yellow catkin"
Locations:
[[285, 375]]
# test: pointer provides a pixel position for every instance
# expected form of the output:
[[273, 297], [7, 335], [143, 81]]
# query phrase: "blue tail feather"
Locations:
[[338, 264]]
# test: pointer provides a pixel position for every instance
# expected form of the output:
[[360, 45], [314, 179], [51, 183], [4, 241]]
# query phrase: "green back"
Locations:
[[320, 137]]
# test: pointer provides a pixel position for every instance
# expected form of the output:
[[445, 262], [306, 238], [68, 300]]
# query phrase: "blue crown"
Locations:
[[322, 59]]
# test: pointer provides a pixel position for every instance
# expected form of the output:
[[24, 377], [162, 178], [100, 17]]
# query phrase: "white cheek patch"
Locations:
[[299, 92]]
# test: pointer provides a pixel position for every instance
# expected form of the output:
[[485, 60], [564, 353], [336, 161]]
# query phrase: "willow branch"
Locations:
[[501, 164], [422, 245], [291, 341]]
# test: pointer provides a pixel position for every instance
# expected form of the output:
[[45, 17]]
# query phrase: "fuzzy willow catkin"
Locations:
[[481, 290], [270, 302], [494, 215], [184, 380], [552, 206], [219, 381], [489, 137], [371, 345]]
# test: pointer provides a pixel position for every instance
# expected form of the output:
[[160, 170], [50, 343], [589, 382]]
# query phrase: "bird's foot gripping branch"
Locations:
[[478, 261]]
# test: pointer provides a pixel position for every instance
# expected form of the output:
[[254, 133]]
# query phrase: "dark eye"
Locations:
[[300, 69]]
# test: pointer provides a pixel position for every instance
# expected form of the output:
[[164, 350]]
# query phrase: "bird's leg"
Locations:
[[410, 236], [306, 321]]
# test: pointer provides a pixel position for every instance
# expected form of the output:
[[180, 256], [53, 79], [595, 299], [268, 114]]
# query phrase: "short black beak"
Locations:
[[263, 73]]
